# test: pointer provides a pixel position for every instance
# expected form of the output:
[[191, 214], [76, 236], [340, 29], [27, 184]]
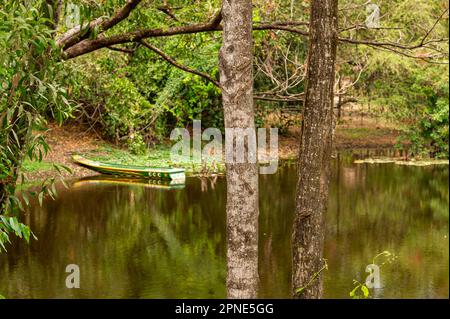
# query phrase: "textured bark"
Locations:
[[236, 80], [315, 150]]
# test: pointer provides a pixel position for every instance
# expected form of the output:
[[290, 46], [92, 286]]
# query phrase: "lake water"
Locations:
[[131, 241]]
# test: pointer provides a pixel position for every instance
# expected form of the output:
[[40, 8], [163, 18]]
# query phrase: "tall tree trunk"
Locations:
[[315, 151], [236, 80]]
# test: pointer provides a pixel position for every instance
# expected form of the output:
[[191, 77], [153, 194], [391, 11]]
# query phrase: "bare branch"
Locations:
[[434, 26], [123, 50], [283, 23], [424, 57], [364, 27], [120, 15], [279, 26], [402, 48], [279, 97], [168, 11], [179, 65], [392, 44], [343, 90]]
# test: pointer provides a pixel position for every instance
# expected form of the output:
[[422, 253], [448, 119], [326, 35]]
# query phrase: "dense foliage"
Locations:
[[409, 88], [30, 91], [158, 97], [416, 96]]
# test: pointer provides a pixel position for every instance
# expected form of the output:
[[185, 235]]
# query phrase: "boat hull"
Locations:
[[169, 174]]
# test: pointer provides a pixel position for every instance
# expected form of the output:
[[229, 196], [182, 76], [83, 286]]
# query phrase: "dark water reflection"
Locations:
[[137, 242]]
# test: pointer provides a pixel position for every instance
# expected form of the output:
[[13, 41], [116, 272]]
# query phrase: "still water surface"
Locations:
[[139, 242]]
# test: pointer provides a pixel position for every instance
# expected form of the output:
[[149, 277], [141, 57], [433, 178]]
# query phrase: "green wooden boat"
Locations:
[[161, 173]]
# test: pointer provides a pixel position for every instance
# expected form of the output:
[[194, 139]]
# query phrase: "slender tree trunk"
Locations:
[[236, 80], [315, 151]]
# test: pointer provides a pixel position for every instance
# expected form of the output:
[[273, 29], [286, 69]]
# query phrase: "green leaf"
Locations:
[[365, 291], [26, 199], [352, 293], [299, 290], [67, 169], [41, 198]]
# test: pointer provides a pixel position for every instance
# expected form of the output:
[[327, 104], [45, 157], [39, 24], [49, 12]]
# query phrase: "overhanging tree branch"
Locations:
[[89, 45], [75, 42], [79, 32]]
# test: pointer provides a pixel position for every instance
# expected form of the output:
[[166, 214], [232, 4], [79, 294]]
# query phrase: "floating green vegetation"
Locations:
[[428, 162], [374, 161], [423, 163]]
